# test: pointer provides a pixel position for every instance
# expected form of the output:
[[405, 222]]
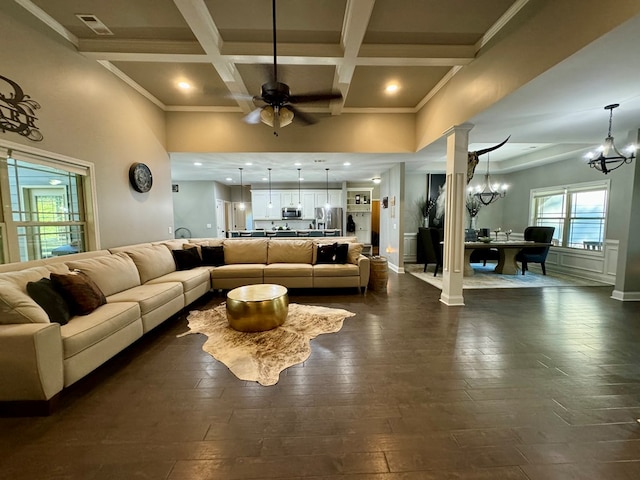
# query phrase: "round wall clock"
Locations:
[[140, 177]]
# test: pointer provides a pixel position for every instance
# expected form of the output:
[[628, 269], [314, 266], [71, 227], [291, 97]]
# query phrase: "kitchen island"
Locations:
[[331, 232]]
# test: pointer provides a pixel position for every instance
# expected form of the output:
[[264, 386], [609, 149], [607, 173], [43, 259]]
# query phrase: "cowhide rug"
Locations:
[[262, 356]]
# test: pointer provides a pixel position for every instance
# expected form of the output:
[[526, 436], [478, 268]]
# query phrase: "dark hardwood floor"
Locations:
[[537, 384]]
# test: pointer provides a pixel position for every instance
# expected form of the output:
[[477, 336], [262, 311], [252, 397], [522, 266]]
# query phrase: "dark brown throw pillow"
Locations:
[[342, 252], [50, 300], [326, 253], [80, 292], [186, 259], [213, 256]]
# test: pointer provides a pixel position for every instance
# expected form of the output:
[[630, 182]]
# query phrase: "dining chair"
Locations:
[[535, 254], [429, 240]]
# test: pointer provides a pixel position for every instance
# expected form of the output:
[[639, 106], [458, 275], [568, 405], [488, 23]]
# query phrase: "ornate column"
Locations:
[[454, 217]]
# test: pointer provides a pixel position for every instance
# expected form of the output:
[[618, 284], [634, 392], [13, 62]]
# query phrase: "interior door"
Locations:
[[221, 218]]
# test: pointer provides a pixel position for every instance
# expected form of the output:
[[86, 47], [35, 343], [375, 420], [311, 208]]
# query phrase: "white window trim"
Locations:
[[74, 165], [573, 187]]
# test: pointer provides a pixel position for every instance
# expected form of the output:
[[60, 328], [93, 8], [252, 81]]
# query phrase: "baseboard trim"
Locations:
[[28, 408], [626, 296]]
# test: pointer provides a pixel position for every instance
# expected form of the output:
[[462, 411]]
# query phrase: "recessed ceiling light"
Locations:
[[197, 164], [376, 180], [392, 88], [346, 164], [249, 164], [229, 179], [184, 85], [55, 181], [264, 179], [297, 164]]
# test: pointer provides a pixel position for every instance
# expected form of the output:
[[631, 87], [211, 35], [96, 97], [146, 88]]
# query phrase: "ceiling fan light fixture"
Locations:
[[276, 117], [607, 157]]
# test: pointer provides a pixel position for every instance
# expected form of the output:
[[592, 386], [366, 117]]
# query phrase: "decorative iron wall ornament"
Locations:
[[17, 111]]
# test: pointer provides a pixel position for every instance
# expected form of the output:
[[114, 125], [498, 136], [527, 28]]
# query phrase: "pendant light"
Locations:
[[488, 193], [270, 204], [242, 207], [608, 157], [299, 196], [328, 204]]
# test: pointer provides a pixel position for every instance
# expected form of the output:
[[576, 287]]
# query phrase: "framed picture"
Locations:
[[437, 194], [357, 199]]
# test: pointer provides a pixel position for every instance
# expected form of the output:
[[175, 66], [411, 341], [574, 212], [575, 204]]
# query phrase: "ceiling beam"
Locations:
[[354, 27], [197, 16]]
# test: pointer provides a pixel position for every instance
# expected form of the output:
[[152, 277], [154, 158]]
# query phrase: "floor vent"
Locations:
[[95, 24]]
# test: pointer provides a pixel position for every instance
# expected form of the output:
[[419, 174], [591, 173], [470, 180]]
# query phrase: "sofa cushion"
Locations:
[[50, 300], [152, 262], [112, 273], [150, 296], [79, 291], [355, 249], [289, 251], [288, 270], [186, 259], [336, 270], [242, 270], [83, 332], [189, 278], [16, 306], [212, 256], [245, 251]]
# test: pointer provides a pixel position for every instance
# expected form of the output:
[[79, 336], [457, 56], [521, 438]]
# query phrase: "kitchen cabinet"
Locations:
[[260, 205]]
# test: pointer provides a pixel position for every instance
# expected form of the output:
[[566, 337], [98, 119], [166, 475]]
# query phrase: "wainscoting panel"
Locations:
[[595, 265], [410, 247]]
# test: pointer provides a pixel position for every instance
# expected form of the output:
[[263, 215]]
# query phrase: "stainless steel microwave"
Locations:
[[291, 212]]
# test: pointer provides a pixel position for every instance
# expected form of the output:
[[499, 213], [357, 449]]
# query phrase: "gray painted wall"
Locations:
[[89, 114], [194, 207]]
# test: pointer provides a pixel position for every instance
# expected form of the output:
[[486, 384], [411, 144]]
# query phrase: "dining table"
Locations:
[[507, 251]]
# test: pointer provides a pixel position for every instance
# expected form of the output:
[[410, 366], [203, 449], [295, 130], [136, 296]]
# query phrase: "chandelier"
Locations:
[[608, 157], [488, 193]]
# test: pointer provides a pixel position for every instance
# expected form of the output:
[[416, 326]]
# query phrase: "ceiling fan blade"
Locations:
[[253, 117], [315, 97], [301, 116]]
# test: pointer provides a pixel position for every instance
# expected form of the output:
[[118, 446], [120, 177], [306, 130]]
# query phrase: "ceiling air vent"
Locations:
[[94, 24]]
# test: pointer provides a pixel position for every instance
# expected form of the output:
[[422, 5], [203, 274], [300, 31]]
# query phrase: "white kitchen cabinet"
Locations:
[[308, 205], [260, 205]]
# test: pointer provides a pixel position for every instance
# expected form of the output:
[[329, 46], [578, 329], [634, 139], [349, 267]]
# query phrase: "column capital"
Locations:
[[463, 127]]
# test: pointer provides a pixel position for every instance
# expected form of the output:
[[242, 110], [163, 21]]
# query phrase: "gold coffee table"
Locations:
[[257, 308]]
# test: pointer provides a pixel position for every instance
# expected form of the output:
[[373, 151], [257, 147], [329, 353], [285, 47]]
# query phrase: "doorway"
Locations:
[[375, 227]]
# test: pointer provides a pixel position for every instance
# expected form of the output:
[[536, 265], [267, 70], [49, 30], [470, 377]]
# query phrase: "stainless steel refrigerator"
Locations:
[[329, 218]]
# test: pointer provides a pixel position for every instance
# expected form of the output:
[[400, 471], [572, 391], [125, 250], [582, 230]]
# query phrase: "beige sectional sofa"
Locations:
[[143, 288]]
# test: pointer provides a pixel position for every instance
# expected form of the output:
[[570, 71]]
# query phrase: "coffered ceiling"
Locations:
[[223, 50]]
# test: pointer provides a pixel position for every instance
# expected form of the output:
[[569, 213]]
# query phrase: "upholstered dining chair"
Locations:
[[538, 254], [430, 239]]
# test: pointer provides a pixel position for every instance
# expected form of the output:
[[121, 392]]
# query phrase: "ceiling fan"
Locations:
[[278, 110]]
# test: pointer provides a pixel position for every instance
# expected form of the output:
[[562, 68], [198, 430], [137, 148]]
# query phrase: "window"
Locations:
[[578, 212], [44, 207]]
